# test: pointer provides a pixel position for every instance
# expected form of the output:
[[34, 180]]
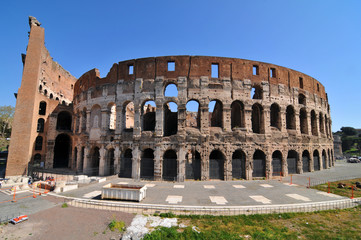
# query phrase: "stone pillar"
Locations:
[[86, 161], [137, 119], [283, 120], [268, 159], [79, 167], [80, 122], [204, 117], [266, 120], [249, 165], [227, 117], [299, 162], [117, 160], [49, 160], [158, 163], [228, 164], [119, 120], [159, 118], [311, 169], [204, 162], [105, 119], [309, 126], [297, 121], [248, 118], [284, 164], [136, 162], [88, 121], [102, 161], [181, 161]]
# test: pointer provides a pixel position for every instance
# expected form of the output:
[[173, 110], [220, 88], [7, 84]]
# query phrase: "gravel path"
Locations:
[[66, 223]]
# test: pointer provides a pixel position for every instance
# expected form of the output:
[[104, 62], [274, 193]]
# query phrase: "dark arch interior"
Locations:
[[63, 121], [277, 163], [259, 164], [306, 161], [62, 151], [147, 164], [126, 164], [237, 115], [193, 166], [292, 161], [316, 161], [216, 165], [238, 165], [170, 165]]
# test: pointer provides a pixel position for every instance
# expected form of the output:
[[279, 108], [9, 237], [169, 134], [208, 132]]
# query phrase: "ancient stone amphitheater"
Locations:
[[197, 117]]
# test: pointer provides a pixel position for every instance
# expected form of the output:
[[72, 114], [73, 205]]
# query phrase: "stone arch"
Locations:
[[128, 116], [322, 125], [37, 160], [193, 114], [257, 92], [303, 121], [170, 118], [257, 118], [215, 108], [94, 161], [147, 164], [64, 120], [277, 163], [239, 164], [316, 160], [40, 127], [148, 114], [290, 118], [170, 168], [193, 165], [301, 99], [326, 126], [126, 164], [95, 116], [170, 90], [306, 161], [324, 159], [276, 116], [62, 151], [110, 162], [237, 115], [314, 123], [292, 159], [39, 143], [259, 164], [42, 108], [216, 165]]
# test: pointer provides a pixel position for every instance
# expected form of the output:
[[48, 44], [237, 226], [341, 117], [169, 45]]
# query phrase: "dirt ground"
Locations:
[[66, 223]]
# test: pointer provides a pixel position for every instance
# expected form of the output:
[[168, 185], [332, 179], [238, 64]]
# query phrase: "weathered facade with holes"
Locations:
[[252, 120]]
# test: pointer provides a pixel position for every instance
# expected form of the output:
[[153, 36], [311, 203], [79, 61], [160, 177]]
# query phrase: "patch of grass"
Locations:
[[346, 192], [167, 215], [65, 205], [116, 225], [332, 224]]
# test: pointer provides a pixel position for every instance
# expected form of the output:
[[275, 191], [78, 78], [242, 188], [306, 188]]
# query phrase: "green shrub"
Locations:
[[119, 225]]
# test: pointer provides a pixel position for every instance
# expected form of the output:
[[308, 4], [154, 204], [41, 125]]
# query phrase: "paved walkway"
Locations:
[[208, 193]]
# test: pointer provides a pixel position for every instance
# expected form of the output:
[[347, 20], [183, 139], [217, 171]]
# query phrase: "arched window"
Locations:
[[301, 99], [237, 115], [170, 165], [322, 124], [275, 116], [128, 112], [192, 114], [37, 160], [303, 121], [51, 96], [292, 159], [239, 164], [170, 119], [256, 92], [149, 109], [257, 118], [306, 161], [277, 163], [63, 121], [316, 161], [126, 164], [215, 109], [216, 165], [259, 164], [290, 118], [147, 164], [193, 165], [39, 143], [45, 92], [171, 90], [40, 127], [314, 123], [42, 108]]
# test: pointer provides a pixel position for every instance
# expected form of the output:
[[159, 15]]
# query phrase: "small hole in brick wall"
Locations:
[[131, 69], [171, 66]]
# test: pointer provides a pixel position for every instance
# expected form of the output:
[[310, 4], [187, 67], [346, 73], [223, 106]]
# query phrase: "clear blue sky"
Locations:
[[319, 38]]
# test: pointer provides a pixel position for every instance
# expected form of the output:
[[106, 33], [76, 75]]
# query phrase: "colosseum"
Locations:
[[170, 118]]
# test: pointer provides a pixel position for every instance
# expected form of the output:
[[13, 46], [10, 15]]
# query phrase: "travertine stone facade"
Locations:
[[251, 120]]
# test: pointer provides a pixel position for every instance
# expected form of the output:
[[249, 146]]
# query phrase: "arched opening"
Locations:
[[316, 161], [51, 96], [147, 164], [329, 158], [301, 99], [95, 117], [275, 116], [40, 127], [314, 123], [192, 114], [306, 161], [112, 116], [215, 109], [128, 112], [170, 168], [45, 92], [170, 119], [292, 158], [63, 121], [83, 122], [193, 165], [290, 118], [259, 164], [62, 151], [94, 161], [277, 163], [322, 125], [216, 165], [126, 164], [326, 125], [38, 143], [148, 110], [239, 165], [42, 108], [171, 90], [257, 118], [37, 160], [256, 92], [303, 121], [237, 115], [40, 88], [324, 159], [110, 162]]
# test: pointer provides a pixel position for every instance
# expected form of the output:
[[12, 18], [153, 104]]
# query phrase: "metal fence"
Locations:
[[140, 208]]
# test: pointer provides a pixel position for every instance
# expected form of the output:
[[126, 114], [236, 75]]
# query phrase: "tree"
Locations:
[[6, 120], [349, 131]]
